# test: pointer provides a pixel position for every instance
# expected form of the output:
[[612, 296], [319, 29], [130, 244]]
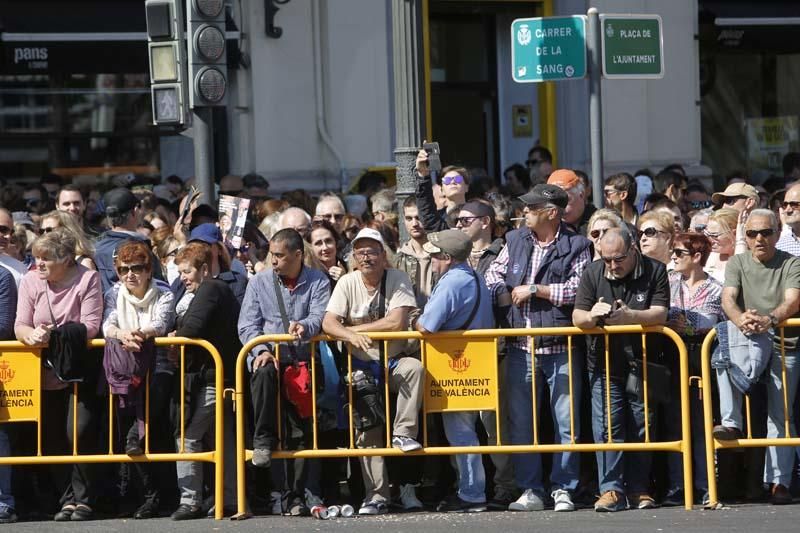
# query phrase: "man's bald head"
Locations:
[[297, 219]]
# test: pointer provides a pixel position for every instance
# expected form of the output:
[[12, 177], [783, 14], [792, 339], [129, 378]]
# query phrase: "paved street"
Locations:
[[747, 518]]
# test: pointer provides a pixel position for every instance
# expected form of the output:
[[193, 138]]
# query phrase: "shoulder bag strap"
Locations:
[[382, 310], [282, 308], [477, 302]]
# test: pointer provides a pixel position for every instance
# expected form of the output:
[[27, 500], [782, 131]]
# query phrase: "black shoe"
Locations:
[[187, 512], [8, 516], [148, 509], [674, 498], [502, 499], [454, 504], [721, 432], [82, 513]]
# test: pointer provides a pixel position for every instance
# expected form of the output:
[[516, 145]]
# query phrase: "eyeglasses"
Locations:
[[32, 201], [680, 252], [597, 233], [793, 205], [753, 233], [616, 259], [448, 180], [136, 269], [5, 230], [366, 254], [42, 231], [730, 200], [700, 204], [332, 216], [650, 232], [714, 236], [466, 221], [609, 192]]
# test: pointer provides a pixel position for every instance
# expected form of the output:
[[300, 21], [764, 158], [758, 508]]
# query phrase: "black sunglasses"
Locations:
[[136, 269], [753, 233], [597, 233], [700, 204], [680, 252], [650, 232], [793, 205], [5, 230], [730, 200]]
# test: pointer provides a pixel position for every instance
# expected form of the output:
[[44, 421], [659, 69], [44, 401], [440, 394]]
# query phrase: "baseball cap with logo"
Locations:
[[545, 193], [369, 233], [564, 178], [453, 242], [735, 189]]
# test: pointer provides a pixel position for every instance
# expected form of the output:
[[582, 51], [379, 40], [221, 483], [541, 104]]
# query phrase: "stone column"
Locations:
[[409, 95]]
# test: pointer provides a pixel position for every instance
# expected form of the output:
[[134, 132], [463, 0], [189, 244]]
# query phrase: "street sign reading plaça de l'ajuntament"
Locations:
[[548, 49], [632, 46]]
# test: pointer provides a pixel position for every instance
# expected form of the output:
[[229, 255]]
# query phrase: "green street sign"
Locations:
[[548, 49], [633, 46]]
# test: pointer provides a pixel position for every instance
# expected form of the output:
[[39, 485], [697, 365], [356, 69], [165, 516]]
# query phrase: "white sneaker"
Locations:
[[313, 500], [562, 500], [529, 501], [408, 497]]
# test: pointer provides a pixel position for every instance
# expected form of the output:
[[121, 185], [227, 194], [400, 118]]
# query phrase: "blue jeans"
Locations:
[[459, 427], [6, 498], [780, 459], [551, 371], [616, 470]]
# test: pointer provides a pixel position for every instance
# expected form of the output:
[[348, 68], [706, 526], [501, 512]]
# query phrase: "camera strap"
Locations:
[[477, 302], [382, 309]]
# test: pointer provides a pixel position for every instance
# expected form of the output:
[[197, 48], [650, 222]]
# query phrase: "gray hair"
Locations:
[[767, 213], [329, 197], [624, 233], [384, 200], [58, 245], [291, 211]]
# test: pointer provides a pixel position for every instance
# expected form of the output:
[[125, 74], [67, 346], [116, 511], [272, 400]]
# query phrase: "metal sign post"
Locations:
[[595, 107]]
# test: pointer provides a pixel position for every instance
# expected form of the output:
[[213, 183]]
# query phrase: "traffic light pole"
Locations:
[[202, 127], [593, 41]]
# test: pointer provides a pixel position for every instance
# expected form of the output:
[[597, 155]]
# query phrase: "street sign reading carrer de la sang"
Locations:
[[632, 46], [548, 49]]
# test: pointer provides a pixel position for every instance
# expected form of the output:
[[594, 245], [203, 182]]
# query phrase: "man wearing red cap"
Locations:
[[578, 212]]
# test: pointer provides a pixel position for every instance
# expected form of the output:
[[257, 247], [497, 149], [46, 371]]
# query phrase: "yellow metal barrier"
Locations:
[[8, 349], [428, 344], [712, 444]]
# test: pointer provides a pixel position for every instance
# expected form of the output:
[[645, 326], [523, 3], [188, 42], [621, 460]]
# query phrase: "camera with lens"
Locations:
[[367, 401]]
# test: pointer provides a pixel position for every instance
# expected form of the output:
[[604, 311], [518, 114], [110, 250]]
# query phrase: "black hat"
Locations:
[[544, 193], [479, 209], [119, 201]]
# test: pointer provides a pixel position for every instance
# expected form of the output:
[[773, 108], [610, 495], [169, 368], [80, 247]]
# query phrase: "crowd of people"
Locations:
[[137, 262]]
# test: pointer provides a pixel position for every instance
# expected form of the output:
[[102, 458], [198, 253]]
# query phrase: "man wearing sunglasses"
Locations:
[[790, 215], [739, 196], [623, 287], [453, 182], [762, 289], [538, 271]]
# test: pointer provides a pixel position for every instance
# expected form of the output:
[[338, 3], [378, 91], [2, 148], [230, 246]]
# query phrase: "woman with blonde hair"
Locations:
[[721, 231], [601, 221], [84, 249], [656, 233]]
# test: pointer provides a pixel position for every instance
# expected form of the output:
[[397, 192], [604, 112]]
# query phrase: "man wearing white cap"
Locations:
[[376, 298], [739, 196]]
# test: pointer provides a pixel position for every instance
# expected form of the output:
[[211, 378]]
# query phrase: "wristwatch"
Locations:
[[773, 320], [532, 288]]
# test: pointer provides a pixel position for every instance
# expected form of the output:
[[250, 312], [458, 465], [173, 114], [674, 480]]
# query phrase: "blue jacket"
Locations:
[[106, 247], [555, 268]]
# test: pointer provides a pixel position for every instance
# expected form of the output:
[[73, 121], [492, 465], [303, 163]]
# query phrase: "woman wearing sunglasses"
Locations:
[[137, 309], [721, 231], [656, 232], [600, 222], [84, 250], [695, 308]]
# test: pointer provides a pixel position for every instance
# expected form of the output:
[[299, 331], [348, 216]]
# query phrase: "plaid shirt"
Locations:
[[788, 242], [560, 293]]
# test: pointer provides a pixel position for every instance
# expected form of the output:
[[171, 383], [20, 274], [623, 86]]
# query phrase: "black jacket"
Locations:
[[212, 316], [432, 219]]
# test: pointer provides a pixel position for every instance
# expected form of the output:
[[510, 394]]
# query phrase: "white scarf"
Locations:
[[136, 313]]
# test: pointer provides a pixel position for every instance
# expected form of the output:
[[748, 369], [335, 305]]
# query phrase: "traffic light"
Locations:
[[167, 60], [206, 45]]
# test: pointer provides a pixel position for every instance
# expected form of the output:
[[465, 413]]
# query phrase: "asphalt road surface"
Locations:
[[744, 518]]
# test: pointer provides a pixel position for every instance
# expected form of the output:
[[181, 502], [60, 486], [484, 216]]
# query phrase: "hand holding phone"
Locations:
[[434, 160]]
